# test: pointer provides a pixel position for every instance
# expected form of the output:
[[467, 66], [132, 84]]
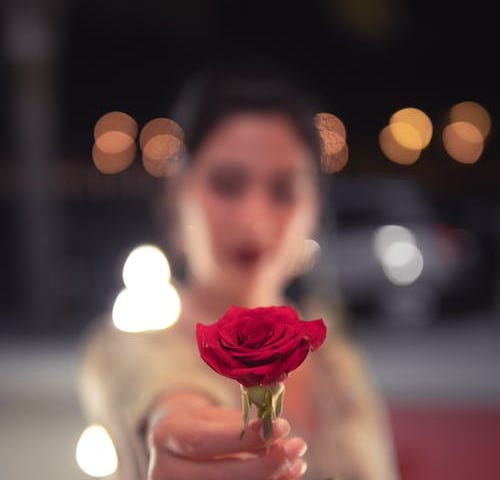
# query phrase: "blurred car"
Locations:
[[391, 254]]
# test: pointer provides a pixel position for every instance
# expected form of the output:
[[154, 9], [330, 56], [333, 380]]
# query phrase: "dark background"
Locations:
[[363, 59]]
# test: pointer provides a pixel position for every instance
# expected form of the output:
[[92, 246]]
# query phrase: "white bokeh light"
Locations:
[[95, 452], [387, 235], [396, 249], [145, 266], [402, 263], [398, 254], [307, 260], [139, 310]]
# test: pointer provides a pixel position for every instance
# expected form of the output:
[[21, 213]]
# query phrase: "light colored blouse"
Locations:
[[121, 374]]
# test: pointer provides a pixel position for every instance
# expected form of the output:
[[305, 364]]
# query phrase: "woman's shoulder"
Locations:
[[102, 345]]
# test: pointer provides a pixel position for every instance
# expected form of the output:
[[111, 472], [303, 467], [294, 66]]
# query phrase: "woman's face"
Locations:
[[248, 202]]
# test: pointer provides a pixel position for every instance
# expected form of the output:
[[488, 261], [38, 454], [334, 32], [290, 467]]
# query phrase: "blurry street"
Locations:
[[40, 419], [450, 366]]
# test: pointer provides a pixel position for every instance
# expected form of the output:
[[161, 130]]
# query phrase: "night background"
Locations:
[[67, 228]]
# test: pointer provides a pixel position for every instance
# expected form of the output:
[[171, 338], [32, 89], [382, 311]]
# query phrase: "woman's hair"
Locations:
[[213, 95]]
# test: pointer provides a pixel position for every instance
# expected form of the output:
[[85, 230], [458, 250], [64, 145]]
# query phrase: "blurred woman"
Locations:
[[246, 200]]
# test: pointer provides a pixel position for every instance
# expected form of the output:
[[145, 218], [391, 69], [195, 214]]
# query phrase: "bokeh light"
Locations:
[[114, 132], [110, 163], [463, 142], [114, 146], [406, 135], [394, 150], [388, 234], [160, 126], [145, 267], [145, 310], [161, 155], [473, 113], [148, 301], [310, 254], [162, 142], [334, 150], [402, 263], [330, 122], [337, 162], [409, 131], [95, 452], [412, 128], [396, 249]]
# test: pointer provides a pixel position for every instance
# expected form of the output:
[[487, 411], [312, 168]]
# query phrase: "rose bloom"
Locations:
[[258, 346]]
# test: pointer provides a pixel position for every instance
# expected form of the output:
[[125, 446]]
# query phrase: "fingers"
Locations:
[[295, 447], [191, 404], [201, 438], [191, 438], [272, 465], [211, 412]]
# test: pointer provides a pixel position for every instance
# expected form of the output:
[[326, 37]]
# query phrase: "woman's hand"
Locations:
[[190, 438]]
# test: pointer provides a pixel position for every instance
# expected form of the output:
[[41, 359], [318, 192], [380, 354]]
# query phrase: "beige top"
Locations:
[[122, 373]]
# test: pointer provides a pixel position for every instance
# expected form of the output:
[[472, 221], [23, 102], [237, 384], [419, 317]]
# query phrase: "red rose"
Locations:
[[258, 346]]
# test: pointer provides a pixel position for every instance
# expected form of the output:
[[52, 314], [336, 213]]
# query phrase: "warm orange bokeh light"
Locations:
[[161, 141], [473, 113], [463, 142], [334, 151], [160, 155], [114, 132], [159, 126], [406, 135], [335, 163], [113, 162], [394, 150], [412, 128], [331, 123]]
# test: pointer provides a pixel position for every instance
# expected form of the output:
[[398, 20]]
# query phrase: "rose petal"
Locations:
[[315, 331]]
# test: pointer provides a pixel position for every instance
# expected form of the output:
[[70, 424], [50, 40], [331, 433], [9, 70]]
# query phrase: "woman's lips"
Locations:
[[247, 256]]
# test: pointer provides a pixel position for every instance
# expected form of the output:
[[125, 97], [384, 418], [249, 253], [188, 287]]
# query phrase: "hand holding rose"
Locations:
[[189, 438]]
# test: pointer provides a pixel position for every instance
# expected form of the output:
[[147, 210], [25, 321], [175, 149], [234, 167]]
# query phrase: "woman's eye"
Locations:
[[227, 184], [282, 191]]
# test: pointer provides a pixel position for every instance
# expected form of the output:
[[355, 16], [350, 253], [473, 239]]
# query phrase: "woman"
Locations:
[[246, 199]]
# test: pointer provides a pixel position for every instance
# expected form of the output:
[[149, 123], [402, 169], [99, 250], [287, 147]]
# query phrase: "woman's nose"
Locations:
[[256, 215]]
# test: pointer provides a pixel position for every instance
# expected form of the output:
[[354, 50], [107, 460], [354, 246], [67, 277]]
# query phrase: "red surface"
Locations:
[[454, 443]]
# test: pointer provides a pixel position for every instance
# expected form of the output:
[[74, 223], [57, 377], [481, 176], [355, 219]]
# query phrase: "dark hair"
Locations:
[[213, 95]]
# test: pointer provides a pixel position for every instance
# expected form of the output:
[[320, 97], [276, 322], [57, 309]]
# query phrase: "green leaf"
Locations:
[[269, 402], [279, 403], [246, 409], [257, 395], [267, 426]]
